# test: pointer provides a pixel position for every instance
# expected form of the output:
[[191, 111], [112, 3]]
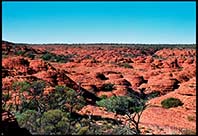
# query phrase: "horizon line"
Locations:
[[104, 43]]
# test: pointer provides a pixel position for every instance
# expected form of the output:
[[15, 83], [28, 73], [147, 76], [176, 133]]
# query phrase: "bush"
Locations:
[[56, 58], [38, 87], [120, 104], [47, 56], [171, 102], [54, 122], [24, 86], [6, 97], [29, 120], [30, 55], [125, 65], [20, 52], [107, 87], [125, 105]]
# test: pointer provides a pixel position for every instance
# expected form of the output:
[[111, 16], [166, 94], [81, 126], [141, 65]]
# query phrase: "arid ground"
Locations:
[[161, 72]]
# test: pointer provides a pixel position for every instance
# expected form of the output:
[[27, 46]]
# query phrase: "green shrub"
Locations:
[[56, 58], [120, 104], [107, 87], [47, 56], [123, 130], [125, 65], [5, 97], [83, 130], [24, 86], [171, 102], [29, 120], [38, 87], [152, 95], [30, 55], [20, 52], [55, 122]]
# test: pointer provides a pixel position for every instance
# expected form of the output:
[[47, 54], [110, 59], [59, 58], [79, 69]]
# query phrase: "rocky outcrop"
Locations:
[[160, 84]]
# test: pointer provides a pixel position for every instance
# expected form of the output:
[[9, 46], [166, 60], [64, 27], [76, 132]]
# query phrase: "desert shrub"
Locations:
[[31, 55], [171, 102], [123, 130], [75, 100], [101, 76], [152, 95], [56, 99], [60, 58], [19, 52], [34, 89], [38, 87], [56, 58], [47, 56], [125, 65], [125, 105], [19, 88], [64, 96], [83, 130], [87, 57], [108, 87], [5, 97], [120, 104], [54, 122], [24, 85], [30, 120]]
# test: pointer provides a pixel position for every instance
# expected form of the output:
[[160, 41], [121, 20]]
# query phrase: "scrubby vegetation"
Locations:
[[55, 113], [171, 102], [125, 65], [19, 52], [56, 58], [125, 105], [108, 87]]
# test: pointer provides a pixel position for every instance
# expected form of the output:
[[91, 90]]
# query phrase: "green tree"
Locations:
[[125, 105]]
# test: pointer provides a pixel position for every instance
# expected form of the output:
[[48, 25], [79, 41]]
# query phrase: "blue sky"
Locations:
[[99, 22]]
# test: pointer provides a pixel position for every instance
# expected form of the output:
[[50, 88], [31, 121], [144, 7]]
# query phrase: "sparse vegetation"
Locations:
[[56, 58], [171, 102], [19, 52], [125, 105], [46, 108], [30, 55], [108, 87], [125, 65]]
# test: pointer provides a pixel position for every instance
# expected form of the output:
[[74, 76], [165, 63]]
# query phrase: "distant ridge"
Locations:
[[109, 44]]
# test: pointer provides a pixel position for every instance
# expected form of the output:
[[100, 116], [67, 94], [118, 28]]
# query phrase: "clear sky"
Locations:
[[99, 22]]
